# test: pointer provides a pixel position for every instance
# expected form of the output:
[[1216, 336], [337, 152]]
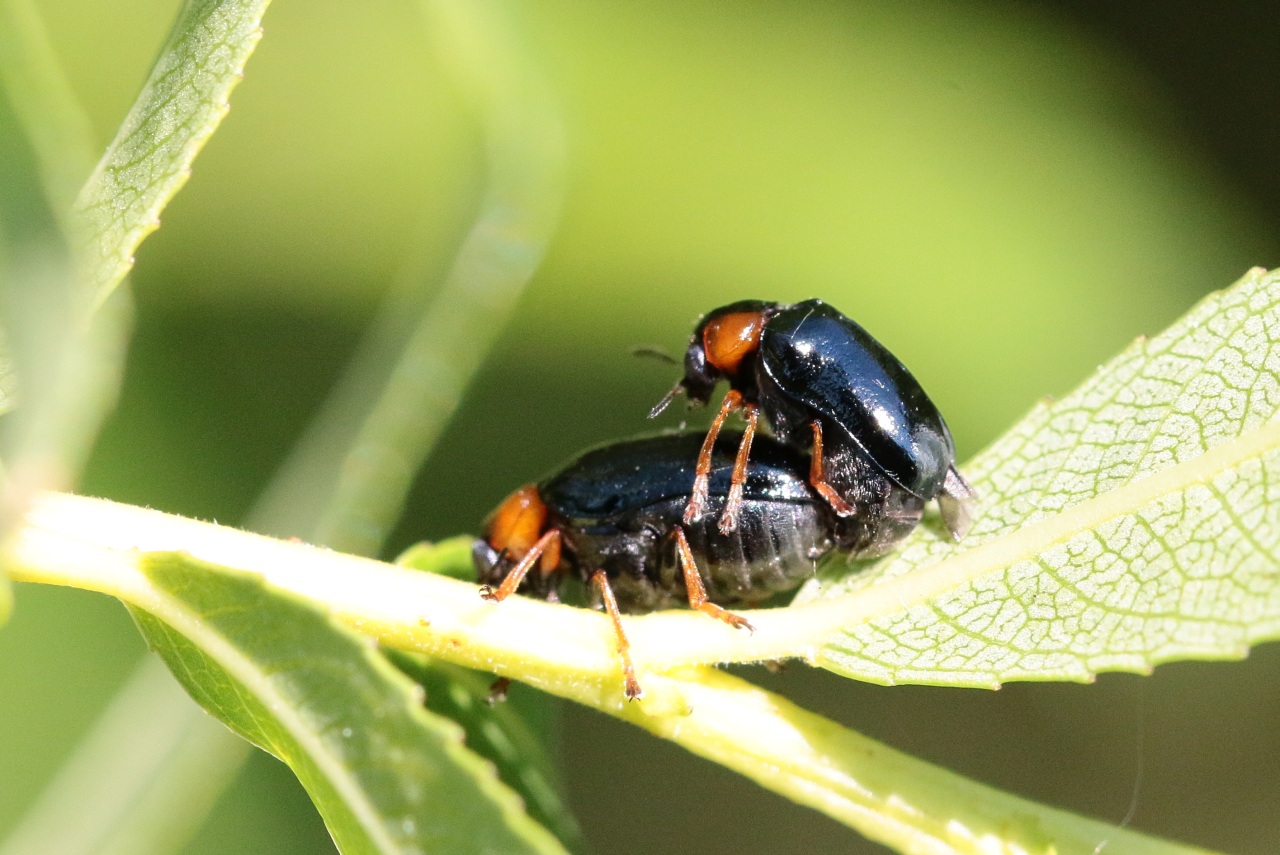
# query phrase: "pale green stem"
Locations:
[[906, 803], [65, 356]]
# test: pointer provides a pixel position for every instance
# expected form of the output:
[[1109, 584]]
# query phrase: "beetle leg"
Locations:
[[702, 480], [698, 593], [549, 542], [632, 688], [819, 481], [732, 507]]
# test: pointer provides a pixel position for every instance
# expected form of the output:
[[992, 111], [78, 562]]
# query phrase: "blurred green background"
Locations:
[[1005, 194]]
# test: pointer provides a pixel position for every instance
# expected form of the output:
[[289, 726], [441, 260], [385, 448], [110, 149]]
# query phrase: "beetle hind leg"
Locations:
[[697, 592], [818, 479]]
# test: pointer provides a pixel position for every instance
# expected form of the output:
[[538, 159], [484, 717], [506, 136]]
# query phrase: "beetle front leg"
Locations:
[[549, 544], [702, 478]]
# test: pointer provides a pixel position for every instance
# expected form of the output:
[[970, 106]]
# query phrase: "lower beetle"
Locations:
[[614, 517], [821, 380]]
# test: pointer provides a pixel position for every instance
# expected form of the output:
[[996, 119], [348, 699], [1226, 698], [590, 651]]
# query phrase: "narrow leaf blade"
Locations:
[[388, 776], [179, 108]]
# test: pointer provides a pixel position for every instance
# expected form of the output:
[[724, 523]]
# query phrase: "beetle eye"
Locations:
[[486, 560]]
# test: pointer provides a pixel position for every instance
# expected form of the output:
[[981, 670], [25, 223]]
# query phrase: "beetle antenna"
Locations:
[[666, 400], [650, 352]]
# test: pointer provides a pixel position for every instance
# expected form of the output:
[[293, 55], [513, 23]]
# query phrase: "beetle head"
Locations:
[[724, 344]]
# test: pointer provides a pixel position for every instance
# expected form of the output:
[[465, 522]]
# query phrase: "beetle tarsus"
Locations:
[[697, 499], [732, 507]]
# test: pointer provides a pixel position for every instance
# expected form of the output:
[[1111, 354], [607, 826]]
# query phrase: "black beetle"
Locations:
[[613, 517], [822, 380]]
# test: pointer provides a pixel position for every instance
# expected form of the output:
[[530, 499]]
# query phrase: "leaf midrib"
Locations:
[[800, 630], [227, 655]]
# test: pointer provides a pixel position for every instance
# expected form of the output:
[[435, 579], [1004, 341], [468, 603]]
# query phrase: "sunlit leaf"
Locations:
[[1133, 522], [179, 108], [498, 731], [386, 775], [906, 803]]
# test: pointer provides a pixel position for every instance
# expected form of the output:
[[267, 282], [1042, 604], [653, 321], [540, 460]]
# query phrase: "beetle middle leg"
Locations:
[[702, 479], [733, 505], [697, 592], [631, 686], [818, 479]]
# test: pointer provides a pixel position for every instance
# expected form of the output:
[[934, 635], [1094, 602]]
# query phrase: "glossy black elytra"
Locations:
[[614, 517], [821, 380]]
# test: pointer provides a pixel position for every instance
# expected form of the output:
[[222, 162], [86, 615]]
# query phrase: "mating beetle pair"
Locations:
[[630, 518]]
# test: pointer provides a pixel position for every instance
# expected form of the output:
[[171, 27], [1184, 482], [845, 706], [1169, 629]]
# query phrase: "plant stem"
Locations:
[[888, 796]]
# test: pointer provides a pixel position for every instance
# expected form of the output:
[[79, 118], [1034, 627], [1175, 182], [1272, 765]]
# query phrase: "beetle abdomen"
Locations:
[[773, 550]]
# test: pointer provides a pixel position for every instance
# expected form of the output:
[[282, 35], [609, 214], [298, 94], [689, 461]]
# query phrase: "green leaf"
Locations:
[[450, 558], [501, 731], [1133, 522], [386, 775], [180, 106]]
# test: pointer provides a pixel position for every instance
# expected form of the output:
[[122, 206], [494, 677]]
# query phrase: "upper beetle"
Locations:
[[821, 379]]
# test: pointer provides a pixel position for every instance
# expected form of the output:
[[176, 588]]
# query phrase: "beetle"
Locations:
[[822, 381], [614, 517]]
